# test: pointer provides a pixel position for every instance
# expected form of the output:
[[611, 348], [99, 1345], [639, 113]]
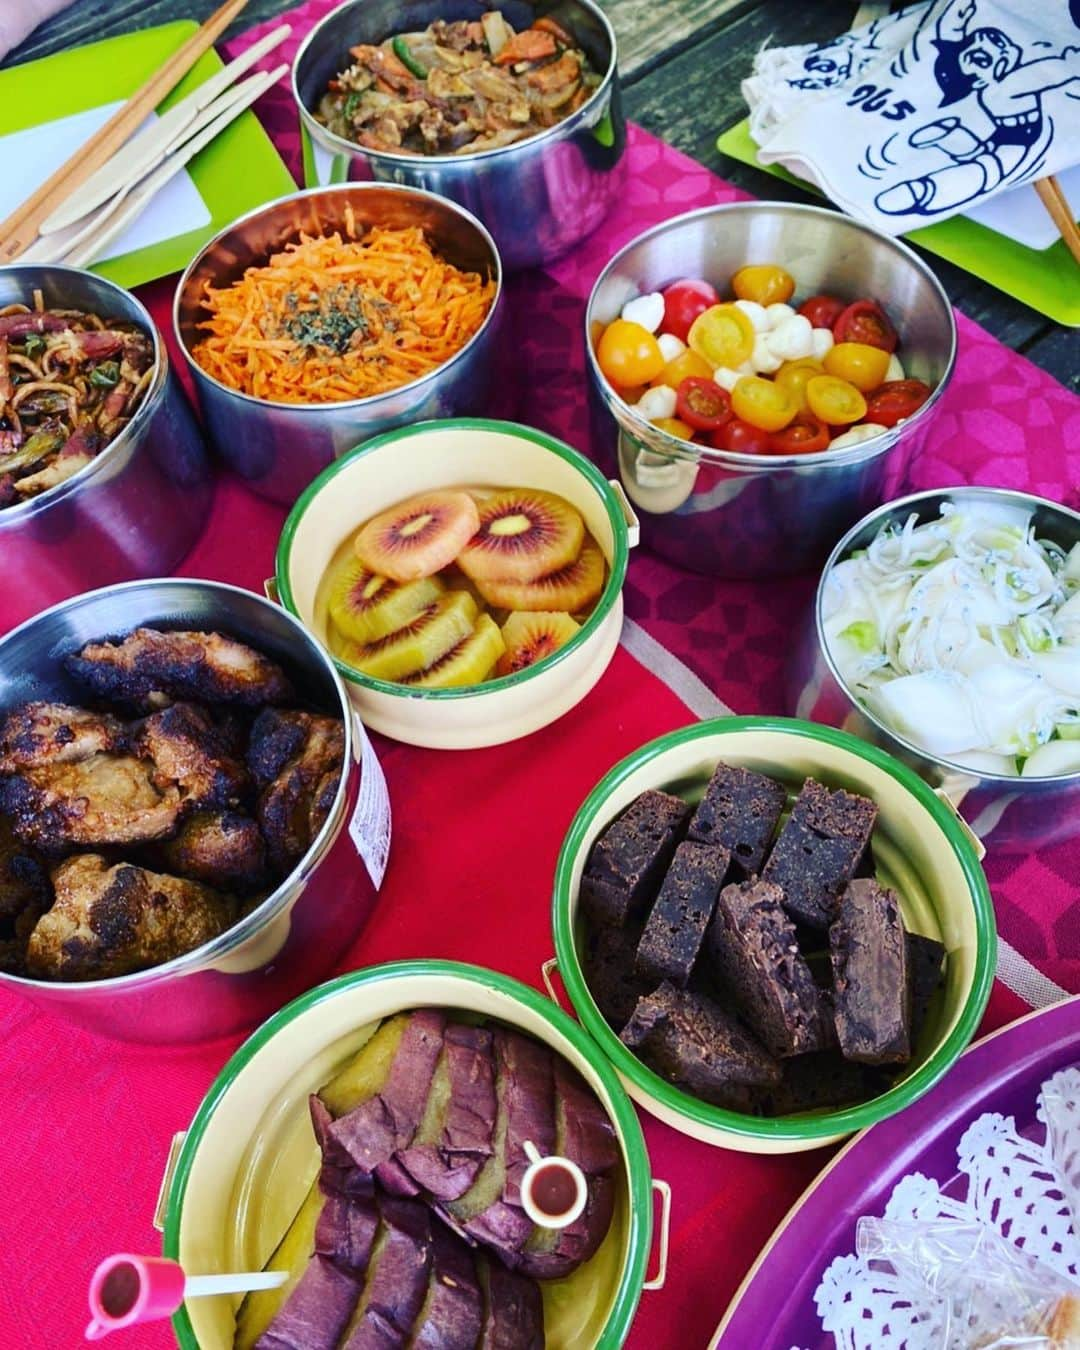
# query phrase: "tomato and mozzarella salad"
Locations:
[[754, 374]]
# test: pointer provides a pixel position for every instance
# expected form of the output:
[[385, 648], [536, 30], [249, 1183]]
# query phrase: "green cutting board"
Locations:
[[236, 172], [1048, 280]]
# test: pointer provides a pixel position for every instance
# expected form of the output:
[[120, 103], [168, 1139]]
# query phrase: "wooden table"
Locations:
[[681, 63]]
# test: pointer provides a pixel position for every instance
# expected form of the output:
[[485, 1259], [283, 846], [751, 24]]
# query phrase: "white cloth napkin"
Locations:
[[927, 113]]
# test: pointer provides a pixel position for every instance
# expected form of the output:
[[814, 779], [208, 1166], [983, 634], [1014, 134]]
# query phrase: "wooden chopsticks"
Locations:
[[1060, 212], [20, 229]]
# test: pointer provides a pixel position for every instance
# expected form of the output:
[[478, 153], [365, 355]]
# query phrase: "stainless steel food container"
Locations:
[[740, 515], [292, 939], [538, 197], [280, 447], [138, 507], [1006, 813]]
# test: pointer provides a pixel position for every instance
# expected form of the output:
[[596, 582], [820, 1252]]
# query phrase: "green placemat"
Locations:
[[235, 173], [1047, 280]]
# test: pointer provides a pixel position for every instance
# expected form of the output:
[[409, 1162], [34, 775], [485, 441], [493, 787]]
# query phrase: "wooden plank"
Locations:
[[1057, 351], [649, 32]]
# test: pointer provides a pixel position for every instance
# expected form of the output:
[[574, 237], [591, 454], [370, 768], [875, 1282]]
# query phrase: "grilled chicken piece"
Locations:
[[189, 751], [220, 848], [35, 735], [296, 760], [205, 666], [24, 896], [109, 921]]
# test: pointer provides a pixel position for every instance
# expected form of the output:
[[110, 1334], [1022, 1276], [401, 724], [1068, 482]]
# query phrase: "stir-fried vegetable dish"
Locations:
[[69, 383], [458, 88]]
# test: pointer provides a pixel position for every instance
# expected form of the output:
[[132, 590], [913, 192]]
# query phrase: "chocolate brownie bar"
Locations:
[[818, 850], [609, 972], [871, 986], [755, 955], [691, 1041], [740, 810], [821, 1082], [926, 957], [629, 859], [675, 928]]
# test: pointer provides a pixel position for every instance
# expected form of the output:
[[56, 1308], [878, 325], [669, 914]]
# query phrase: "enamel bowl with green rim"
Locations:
[[459, 452], [249, 1156], [921, 850]]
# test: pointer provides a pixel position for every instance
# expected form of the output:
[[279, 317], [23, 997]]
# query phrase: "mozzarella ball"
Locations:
[[776, 314], [656, 402], [823, 341], [863, 431], [755, 313], [763, 358], [670, 346], [647, 310], [895, 370], [793, 339]]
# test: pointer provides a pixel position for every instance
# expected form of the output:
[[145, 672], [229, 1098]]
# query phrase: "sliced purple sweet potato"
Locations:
[[513, 1309], [397, 1280], [552, 1254], [453, 1312], [315, 1313], [338, 1175], [584, 1128], [345, 1232]]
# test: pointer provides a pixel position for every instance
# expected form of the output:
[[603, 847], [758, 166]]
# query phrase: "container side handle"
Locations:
[[633, 525], [952, 793], [166, 1181], [550, 965], [664, 1191], [270, 590]]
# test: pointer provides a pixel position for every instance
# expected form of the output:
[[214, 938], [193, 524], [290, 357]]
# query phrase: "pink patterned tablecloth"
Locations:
[[86, 1123]]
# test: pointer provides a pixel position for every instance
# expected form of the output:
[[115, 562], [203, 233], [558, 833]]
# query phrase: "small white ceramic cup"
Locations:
[[538, 1163]]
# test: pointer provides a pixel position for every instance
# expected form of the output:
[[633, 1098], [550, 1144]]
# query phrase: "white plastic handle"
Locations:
[[166, 1181], [633, 525], [952, 792], [552, 963], [664, 1191]]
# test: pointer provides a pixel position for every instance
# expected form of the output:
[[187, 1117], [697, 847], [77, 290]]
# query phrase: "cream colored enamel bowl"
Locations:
[[453, 453], [921, 850], [249, 1157]]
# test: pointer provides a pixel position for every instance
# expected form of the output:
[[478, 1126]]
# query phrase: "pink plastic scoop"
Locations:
[[126, 1290]]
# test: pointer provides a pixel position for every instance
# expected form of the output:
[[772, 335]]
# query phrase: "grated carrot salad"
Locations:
[[332, 318]]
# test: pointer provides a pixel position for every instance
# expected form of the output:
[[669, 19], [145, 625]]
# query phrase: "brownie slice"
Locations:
[[821, 1082], [926, 958], [609, 972], [675, 928], [691, 1041], [818, 850], [629, 859], [740, 810], [871, 986], [755, 955]]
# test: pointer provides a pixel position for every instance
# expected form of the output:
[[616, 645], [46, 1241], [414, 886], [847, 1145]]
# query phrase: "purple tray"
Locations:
[[774, 1309]]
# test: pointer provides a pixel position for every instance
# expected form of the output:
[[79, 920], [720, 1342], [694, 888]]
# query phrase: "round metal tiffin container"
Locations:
[[740, 515], [249, 1155], [138, 507], [456, 453], [289, 940], [1012, 813], [921, 849], [538, 196], [280, 447]]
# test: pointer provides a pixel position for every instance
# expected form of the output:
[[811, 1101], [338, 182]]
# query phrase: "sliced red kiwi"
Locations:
[[523, 533], [418, 537], [569, 589], [470, 662], [436, 630], [365, 607], [531, 637]]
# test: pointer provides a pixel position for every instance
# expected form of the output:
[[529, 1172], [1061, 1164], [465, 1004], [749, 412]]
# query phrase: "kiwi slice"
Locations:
[[523, 533], [365, 607], [568, 590], [470, 661], [531, 637], [418, 537], [411, 650]]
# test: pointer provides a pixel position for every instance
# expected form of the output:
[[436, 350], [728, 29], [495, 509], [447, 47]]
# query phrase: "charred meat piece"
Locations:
[[25, 894], [205, 666], [676, 926], [35, 735], [872, 987], [629, 859], [109, 921], [187, 749], [220, 848], [296, 760], [740, 810]]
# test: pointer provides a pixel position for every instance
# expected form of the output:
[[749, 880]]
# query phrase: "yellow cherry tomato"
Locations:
[[835, 401], [685, 366], [629, 354], [764, 282], [723, 335], [858, 363], [675, 426], [794, 375], [762, 403]]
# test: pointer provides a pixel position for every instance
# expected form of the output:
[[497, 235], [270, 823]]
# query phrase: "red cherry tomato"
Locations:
[[895, 400], [741, 437], [683, 301], [865, 321], [801, 437], [702, 404], [822, 310]]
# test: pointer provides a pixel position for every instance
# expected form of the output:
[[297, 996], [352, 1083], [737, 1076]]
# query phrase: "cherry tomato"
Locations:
[[858, 363], [723, 335], [764, 282], [801, 437], [674, 426], [683, 301], [629, 354], [740, 437], [793, 376], [892, 402], [763, 403], [685, 366], [835, 401], [822, 310], [865, 321], [702, 404]]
